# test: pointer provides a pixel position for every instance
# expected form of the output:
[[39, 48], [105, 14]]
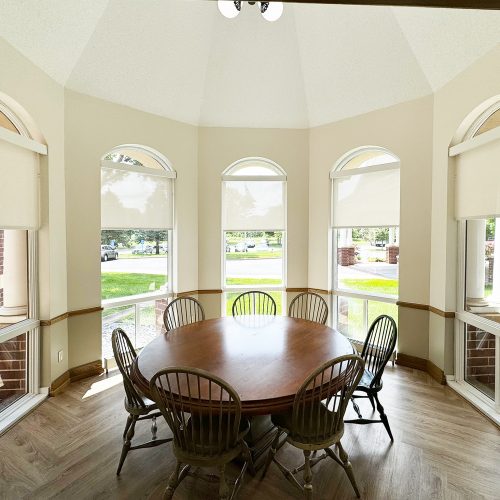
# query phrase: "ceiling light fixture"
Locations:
[[271, 11]]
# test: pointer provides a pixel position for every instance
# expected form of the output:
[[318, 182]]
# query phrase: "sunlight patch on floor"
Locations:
[[103, 385]]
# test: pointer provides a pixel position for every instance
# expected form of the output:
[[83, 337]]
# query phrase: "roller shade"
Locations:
[[140, 198], [253, 205], [19, 187], [368, 199], [478, 182]]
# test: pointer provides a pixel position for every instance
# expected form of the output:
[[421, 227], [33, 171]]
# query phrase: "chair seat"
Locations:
[[366, 381], [137, 409], [314, 427]]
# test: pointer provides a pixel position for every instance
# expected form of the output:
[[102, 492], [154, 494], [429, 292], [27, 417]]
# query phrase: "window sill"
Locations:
[[478, 400], [17, 410]]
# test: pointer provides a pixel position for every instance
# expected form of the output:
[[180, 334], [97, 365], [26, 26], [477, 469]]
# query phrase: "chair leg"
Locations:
[[154, 428], [372, 401], [271, 453], [308, 488], [127, 425], [383, 417], [173, 481], [347, 467], [223, 488], [127, 443], [356, 408]]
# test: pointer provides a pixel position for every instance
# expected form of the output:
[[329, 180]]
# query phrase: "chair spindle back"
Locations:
[[182, 311], [320, 403], [310, 306], [205, 430], [254, 302], [379, 346], [125, 356]]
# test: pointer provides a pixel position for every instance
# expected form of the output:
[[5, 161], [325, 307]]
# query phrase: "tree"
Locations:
[[156, 236], [119, 236]]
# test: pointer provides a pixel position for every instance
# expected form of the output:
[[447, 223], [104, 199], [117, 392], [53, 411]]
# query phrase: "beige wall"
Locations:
[[452, 104], [219, 148], [43, 100], [93, 127], [406, 130]]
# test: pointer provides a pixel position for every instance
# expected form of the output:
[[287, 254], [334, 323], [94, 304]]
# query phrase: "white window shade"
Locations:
[[478, 182], [369, 199], [253, 205], [19, 187], [136, 200]]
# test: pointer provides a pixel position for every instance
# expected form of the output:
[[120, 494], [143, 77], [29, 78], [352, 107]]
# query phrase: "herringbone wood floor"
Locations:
[[68, 448]]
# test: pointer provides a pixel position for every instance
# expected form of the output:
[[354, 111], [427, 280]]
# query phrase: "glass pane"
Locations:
[[351, 317], [492, 122], [13, 276], [254, 258], [13, 355], [133, 262], [368, 260], [150, 321], [7, 123], [370, 159], [376, 308], [480, 360], [231, 297], [117, 317], [482, 279]]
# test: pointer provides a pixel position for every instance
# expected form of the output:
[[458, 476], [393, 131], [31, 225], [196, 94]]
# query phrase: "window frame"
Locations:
[[336, 173], [137, 300], [278, 175]]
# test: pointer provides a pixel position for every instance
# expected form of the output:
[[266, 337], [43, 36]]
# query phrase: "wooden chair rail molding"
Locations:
[[425, 307], [69, 314]]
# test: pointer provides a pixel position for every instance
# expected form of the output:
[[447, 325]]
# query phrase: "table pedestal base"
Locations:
[[259, 439]]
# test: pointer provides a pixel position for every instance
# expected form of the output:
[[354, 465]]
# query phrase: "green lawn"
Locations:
[[114, 285], [263, 254], [372, 286]]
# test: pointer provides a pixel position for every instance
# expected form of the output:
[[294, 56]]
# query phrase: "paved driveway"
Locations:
[[154, 265]]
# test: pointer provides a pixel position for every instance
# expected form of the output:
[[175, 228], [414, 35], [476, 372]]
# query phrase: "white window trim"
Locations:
[[279, 176], [336, 174], [462, 317]]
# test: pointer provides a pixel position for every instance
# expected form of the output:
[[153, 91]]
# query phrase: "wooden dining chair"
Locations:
[[254, 302], [182, 311], [205, 435], [137, 405], [377, 350], [310, 306], [316, 420]]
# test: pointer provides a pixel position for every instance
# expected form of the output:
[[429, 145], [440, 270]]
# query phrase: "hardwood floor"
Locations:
[[68, 448]]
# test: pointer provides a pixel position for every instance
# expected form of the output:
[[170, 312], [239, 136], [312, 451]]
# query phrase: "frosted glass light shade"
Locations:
[[228, 8], [273, 11]]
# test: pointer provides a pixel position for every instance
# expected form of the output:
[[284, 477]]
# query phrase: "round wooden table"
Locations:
[[265, 358]]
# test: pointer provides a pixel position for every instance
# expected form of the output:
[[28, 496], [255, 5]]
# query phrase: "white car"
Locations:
[[108, 253]]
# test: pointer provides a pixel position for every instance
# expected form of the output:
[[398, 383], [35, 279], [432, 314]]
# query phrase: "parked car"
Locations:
[[108, 253], [250, 243], [241, 247], [148, 249]]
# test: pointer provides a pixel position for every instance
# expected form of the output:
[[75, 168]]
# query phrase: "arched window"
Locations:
[[365, 222], [19, 222], [476, 161], [137, 220], [254, 229]]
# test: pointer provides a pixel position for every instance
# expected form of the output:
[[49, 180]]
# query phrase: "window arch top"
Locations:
[[133, 157], [364, 159], [254, 169]]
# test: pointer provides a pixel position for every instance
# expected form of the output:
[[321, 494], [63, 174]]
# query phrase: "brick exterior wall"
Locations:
[[1, 265], [13, 368], [480, 357], [391, 254], [160, 306], [346, 256]]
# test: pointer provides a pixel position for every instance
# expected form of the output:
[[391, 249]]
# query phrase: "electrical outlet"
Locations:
[[59, 356]]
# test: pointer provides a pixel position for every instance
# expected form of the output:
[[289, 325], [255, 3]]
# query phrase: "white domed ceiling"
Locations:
[[183, 60]]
